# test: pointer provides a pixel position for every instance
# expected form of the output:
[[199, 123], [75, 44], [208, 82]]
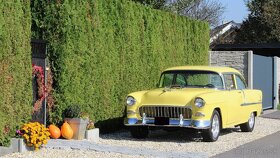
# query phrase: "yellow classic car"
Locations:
[[200, 97]]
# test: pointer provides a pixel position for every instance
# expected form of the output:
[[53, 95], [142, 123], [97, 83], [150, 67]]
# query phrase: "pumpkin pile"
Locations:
[[66, 131], [55, 131]]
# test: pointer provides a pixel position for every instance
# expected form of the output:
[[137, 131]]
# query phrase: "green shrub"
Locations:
[[15, 67], [101, 50], [72, 111]]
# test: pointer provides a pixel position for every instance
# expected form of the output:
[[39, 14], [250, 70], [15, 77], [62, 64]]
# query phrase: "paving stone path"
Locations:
[[87, 145]]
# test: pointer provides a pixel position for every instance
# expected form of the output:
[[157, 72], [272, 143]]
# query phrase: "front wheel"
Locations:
[[212, 134], [139, 132], [248, 126]]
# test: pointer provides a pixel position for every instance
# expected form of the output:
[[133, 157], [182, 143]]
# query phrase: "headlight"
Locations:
[[130, 101], [199, 102]]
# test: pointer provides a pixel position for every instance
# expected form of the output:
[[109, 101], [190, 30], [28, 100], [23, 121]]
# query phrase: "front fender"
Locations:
[[132, 110], [213, 101]]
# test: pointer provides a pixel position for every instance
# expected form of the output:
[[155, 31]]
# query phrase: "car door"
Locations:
[[234, 99], [248, 99]]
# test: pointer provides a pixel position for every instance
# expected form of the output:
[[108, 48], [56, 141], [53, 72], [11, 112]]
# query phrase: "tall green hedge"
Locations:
[[101, 50], [15, 66]]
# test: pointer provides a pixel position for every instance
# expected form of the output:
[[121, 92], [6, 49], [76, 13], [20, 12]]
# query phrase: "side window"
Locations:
[[240, 83], [229, 81], [180, 80]]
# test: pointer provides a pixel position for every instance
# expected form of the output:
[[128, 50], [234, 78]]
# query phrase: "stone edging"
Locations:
[[87, 145]]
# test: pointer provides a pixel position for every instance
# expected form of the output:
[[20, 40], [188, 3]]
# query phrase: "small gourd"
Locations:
[[66, 131], [54, 131]]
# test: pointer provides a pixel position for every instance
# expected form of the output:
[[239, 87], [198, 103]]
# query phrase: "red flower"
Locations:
[[42, 90]]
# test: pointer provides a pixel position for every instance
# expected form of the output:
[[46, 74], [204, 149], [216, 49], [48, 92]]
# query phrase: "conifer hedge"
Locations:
[[101, 50], [15, 67]]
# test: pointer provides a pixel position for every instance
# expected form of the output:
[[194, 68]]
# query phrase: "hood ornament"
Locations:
[[166, 89]]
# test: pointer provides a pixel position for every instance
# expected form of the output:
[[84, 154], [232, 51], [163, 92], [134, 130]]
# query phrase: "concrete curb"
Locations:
[[87, 145], [17, 145]]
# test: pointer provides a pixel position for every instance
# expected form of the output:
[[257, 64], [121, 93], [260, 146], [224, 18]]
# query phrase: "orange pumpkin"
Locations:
[[66, 131], [55, 131]]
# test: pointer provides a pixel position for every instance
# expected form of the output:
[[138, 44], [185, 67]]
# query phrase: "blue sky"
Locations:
[[235, 10]]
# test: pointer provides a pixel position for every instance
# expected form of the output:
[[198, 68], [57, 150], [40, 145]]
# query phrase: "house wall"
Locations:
[[235, 59]]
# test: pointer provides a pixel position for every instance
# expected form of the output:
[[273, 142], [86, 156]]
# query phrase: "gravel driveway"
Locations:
[[181, 141]]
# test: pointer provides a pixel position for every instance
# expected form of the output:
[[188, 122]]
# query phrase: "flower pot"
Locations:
[[78, 126], [93, 134]]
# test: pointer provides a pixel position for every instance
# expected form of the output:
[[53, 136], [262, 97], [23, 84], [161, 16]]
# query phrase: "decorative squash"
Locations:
[[66, 131], [55, 131]]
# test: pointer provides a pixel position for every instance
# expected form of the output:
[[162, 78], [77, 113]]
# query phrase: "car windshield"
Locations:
[[192, 79]]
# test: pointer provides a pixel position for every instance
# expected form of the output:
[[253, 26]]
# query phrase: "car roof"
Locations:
[[218, 69]]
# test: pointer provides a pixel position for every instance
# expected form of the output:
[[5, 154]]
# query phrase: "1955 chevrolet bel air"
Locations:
[[201, 97]]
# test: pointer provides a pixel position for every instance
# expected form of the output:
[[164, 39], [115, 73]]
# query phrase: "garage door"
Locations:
[[263, 78]]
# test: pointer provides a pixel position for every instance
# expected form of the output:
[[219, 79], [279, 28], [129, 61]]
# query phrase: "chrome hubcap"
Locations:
[[251, 120], [215, 126]]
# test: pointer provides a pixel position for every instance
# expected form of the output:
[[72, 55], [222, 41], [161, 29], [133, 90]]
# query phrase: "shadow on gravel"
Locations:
[[178, 136], [229, 130]]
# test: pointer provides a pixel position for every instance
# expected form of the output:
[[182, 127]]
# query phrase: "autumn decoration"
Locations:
[[54, 131], [66, 131], [35, 134]]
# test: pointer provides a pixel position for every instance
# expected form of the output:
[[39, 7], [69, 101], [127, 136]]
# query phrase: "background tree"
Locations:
[[206, 10], [262, 24], [272, 17]]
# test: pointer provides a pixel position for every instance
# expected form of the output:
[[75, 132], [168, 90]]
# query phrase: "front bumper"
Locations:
[[196, 124]]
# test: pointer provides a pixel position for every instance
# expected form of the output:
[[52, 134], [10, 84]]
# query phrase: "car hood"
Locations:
[[178, 97]]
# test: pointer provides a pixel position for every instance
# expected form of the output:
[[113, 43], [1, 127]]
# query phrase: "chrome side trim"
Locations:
[[252, 103], [197, 124]]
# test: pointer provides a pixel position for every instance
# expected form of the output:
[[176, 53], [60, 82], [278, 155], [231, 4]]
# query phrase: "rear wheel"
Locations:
[[212, 134], [139, 132], [248, 126]]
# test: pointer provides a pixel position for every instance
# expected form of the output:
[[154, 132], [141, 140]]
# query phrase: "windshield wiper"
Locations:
[[195, 86], [177, 86]]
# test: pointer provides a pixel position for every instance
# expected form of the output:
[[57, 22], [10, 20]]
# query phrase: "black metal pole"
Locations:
[[46, 80], [45, 100]]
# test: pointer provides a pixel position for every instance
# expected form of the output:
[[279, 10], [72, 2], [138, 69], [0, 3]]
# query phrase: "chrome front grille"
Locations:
[[166, 111]]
